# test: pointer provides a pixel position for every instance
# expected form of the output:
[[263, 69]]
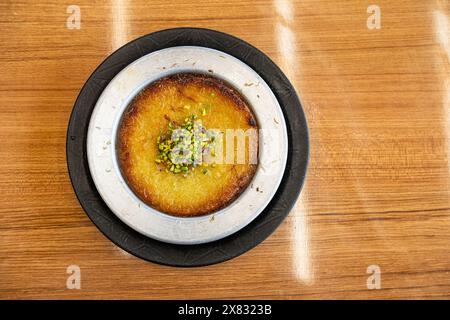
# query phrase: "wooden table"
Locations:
[[378, 186]]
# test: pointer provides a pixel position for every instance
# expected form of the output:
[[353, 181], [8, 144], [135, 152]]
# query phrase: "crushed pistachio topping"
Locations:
[[182, 146]]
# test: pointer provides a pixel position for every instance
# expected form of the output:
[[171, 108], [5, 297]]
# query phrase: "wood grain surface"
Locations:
[[378, 185]]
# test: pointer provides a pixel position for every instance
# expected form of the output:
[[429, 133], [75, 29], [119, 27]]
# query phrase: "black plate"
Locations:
[[202, 254]]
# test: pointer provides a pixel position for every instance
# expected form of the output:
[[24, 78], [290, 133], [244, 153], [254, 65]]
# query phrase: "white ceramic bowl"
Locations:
[[101, 142]]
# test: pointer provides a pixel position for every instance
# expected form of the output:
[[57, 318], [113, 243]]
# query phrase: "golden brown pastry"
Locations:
[[173, 102]]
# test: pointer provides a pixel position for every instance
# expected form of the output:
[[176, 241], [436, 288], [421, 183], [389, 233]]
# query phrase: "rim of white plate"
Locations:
[[128, 207]]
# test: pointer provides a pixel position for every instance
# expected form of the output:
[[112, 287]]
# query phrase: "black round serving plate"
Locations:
[[188, 255]]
